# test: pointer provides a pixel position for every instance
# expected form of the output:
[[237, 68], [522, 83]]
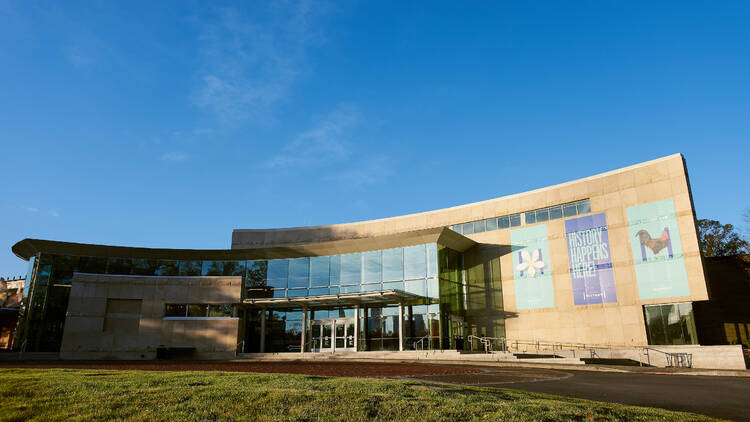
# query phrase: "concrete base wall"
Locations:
[[143, 330]]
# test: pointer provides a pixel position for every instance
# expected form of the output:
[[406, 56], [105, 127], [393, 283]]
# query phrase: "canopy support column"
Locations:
[[400, 326], [263, 330]]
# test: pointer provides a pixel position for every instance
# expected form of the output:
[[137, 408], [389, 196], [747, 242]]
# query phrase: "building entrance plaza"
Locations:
[[611, 259]]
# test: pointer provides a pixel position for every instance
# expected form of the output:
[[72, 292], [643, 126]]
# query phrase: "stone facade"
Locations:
[[620, 323]]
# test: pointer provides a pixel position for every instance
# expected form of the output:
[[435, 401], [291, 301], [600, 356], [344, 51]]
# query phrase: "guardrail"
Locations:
[[674, 359], [419, 344]]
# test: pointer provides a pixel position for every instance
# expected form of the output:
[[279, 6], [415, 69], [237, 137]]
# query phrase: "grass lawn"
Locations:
[[72, 394]]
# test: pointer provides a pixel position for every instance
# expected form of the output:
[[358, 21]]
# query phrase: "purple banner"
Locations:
[[590, 261]]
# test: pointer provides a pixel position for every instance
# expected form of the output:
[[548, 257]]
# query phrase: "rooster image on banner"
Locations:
[[658, 259], [656, 245]]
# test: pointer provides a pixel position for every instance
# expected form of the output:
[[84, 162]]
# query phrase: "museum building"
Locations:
[[609, 259]]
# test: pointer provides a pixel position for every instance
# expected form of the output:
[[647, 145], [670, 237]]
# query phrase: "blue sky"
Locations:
[[168, 124]]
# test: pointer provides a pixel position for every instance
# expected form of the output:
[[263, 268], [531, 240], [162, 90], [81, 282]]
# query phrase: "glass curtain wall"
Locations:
[[672, 323], [413, 269]]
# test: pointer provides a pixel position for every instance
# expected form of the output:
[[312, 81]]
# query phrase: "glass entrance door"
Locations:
[[332, 335]]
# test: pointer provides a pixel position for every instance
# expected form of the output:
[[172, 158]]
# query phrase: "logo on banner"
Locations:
[[530, 263]]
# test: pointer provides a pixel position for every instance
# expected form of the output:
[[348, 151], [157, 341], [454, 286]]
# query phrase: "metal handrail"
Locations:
[[240, 348], [312, 348], [487, 342], [421, 342], [674, 359]]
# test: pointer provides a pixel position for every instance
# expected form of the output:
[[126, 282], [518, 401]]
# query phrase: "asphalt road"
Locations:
[[721, 397]]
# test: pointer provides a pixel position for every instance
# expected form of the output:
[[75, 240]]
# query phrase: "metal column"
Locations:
[[400, 326], [356, 328], [304, 330], [263, 330]]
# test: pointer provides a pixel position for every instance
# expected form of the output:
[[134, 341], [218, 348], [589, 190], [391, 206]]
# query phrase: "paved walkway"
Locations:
[[722, 397]]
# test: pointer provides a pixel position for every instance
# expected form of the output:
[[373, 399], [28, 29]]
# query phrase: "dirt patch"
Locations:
[[333, 369]]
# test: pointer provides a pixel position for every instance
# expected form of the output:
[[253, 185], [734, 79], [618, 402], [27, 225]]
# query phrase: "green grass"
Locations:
[[65, 394]]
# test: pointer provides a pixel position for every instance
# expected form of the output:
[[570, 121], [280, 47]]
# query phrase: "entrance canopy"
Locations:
[[385, 297]]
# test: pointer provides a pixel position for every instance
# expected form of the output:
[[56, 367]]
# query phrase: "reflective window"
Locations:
[[223, 310], [670, 323], [145, 266], [503, 222], [319, 271], [491, 224], [414, 262], [432, 270], [530, 217], [278, 270], [299, 272], [121, 266], [555, 213], [90, 265], [168, 268], [458, 228], [393, 264], [175, 310], [319, 291], [515, 220], [351, 268], [190, 268], [335, 268], [256, 273], [542, 215], [373, 267], [584, 207], [479, 226], [467, 228], [197, 310], [393, 285], [569, 210], [416, 287], [296, 292]]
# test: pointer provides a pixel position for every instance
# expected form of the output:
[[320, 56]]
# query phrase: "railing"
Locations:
[[488, 343], [674, 359], [240, 347], [592, 350], [419, 344], [312, 343]]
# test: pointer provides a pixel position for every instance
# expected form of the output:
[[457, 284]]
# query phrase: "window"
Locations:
[[319, 271], [569, 210], [530, 217], [584, 207], [351, 268], [198, 310], [299, 273], [468, 228], [479, 226], [515, 220], [190, 268], [373, 267], [278, 270], [491, 224], [670, 324], [223, 310], [175, 310], [503, 222], [542, 215], [555, 213], [393, 264], [414, 262]]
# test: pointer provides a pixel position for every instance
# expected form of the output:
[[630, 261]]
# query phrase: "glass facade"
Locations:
[[672, 323], [412, 269], [530, 217]]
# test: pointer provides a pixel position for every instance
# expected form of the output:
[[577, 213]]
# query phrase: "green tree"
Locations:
[[716, 239]]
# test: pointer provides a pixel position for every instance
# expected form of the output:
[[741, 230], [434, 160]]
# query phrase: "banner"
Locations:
[[657, 251], [532, 272], [590, 261]]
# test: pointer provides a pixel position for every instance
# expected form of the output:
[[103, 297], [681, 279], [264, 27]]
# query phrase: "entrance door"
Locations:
[[332, 335]]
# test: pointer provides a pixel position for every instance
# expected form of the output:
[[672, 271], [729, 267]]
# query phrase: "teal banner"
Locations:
[[657, 251], [532, 271]]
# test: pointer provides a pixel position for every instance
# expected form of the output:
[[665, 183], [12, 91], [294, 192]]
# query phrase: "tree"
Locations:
[[716, 239]]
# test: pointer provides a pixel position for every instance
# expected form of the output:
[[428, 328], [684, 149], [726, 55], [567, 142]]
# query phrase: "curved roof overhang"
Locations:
[[27, 248]]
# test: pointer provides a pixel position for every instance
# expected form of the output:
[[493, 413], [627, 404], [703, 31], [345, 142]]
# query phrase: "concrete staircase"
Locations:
[[444, 356]]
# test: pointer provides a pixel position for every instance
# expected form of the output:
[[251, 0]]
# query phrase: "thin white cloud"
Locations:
[[251, 60], [367, 172], [326, 142], [32, 209], [54, 213], [174, 156]]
